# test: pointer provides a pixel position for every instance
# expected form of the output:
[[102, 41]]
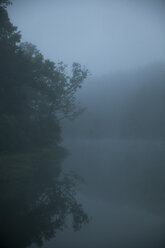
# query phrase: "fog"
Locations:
[[104, 36], [117, 144]]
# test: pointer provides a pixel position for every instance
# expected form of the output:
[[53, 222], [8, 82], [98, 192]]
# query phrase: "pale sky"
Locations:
[[105, 36]]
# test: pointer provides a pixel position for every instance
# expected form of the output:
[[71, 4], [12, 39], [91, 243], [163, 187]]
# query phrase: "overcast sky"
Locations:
[[105, 36]]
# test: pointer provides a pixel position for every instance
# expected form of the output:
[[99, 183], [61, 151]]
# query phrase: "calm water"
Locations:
[[123, 193]]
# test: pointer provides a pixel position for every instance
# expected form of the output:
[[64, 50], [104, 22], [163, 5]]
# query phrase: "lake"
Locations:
[[123, 193]]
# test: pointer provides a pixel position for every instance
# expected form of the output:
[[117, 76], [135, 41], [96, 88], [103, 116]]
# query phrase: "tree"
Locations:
[[35, 93], [56, 90], [4, 3]]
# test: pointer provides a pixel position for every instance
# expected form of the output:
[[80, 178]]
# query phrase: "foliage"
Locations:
[[18, 166], [35, 93], [4, 3]]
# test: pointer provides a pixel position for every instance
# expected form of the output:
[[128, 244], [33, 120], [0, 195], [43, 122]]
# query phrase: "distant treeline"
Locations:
[[124, 105], [35, 93]]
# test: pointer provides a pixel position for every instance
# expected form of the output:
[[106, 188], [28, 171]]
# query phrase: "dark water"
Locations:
[[36, 198], [123, 193], [106, 193]]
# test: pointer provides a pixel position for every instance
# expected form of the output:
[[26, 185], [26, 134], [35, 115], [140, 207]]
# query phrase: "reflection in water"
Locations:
[[34, 208], [124, 194]]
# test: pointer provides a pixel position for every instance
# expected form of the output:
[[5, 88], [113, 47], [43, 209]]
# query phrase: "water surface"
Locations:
[[123, 193]]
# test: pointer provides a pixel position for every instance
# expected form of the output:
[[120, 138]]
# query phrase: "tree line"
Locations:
[[35, 93], [124, 105]]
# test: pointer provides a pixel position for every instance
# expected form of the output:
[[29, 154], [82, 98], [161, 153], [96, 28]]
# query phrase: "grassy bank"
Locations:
[[16, 166]]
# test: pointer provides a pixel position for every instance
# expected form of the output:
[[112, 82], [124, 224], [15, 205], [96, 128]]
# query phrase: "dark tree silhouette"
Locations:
[[35, 93]]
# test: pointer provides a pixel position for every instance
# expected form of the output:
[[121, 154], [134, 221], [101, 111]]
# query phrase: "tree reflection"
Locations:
[[34, 208]]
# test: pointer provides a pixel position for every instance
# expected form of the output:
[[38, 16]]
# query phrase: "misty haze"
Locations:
[[82, 124]]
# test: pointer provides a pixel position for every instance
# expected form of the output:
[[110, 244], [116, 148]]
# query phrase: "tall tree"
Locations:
[[35, 93]]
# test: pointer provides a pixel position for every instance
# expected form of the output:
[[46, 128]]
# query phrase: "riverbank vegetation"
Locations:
[[35, 94]]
